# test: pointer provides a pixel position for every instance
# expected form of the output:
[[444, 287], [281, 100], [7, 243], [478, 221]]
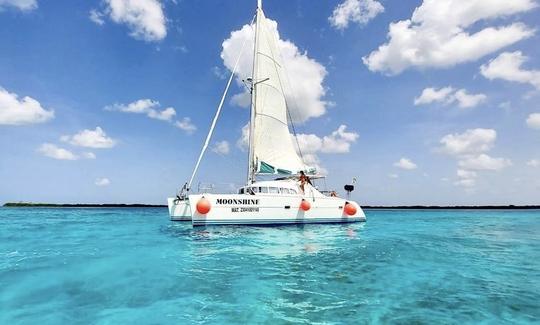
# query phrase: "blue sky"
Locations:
[[445, 112]]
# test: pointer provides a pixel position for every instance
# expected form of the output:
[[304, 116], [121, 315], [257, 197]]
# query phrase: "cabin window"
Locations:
[[293, 191], [284, 190], [241, 191], [255, 190], [263, 189], [273, 190]]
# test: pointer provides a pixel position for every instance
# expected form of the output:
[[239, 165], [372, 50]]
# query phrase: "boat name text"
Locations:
[[238, 201]]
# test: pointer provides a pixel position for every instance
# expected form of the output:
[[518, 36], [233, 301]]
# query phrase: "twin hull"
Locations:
[[262, 210]]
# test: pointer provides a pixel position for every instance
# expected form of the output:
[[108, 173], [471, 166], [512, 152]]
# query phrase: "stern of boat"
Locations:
[[179, 210]]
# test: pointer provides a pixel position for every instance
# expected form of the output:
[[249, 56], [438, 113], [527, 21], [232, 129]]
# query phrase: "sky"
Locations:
[[423, 102]]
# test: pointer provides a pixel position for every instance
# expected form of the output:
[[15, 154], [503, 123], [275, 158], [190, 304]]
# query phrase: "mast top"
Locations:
[[259, 4]]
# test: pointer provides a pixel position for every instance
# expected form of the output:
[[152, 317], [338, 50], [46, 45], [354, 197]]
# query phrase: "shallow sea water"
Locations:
[[118, 266]]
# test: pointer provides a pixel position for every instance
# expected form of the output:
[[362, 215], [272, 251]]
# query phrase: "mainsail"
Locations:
[[272, 148]]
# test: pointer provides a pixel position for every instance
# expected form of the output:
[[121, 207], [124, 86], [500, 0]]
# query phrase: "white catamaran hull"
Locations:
[[271, 210], [179, 210]]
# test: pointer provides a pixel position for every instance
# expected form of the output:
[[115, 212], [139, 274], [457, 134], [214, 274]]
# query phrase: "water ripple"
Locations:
[[108, 266]]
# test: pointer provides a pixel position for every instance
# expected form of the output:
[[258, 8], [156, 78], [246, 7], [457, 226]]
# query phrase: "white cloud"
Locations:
[[469, 149], [88, 155], [221, 147], [472, 141], [90, 139], [306, 75], [507, 106], [24, 5], [393, 175], [164, 115], [339, 141], [533, 163], [186, 125], [405, 163], [443, 33], [102, 182], [507, 66], [182, 48], [358, 11], [533, 121], [484, 162], [243, 142], [151, 108], [145, 18], [466, 182], [448, 95], [466, 100], [96, 17], [467, 178], [52, 151], [311, 159], [309, 143], [461, 173], [241, 99], [219, 72], [432, 95], [145, 106], [24, 111]]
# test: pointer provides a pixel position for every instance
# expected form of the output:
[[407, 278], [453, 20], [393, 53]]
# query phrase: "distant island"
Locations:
[[80, 205], [454, 207], [366, 207]]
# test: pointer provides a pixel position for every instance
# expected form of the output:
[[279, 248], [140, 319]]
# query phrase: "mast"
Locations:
[[251, 160]]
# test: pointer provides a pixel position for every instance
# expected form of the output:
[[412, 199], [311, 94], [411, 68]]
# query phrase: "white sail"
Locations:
[[273, 147]]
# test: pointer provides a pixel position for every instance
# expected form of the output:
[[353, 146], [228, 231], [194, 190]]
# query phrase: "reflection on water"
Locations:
[[272, 241]]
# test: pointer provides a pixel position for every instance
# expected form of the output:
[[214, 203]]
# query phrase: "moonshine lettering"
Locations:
[[238, 201]]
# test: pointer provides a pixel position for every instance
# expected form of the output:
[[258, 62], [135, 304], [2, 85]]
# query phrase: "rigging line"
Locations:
[[284, 95], [294, 131], [272, 117], [269, 58], [270, 86], [214, 121]]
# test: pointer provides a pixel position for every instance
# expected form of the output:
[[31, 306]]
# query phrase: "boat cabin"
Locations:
[[280, 188]]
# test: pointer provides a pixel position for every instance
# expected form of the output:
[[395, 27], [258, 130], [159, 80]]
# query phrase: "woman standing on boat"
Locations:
[[303, 180]]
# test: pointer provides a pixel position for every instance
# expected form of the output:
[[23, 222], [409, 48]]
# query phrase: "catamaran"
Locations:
[[289, 196]]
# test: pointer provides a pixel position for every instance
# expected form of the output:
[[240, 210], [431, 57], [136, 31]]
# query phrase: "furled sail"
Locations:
[[273, 147]]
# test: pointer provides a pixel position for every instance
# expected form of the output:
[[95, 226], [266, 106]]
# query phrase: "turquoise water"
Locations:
[[115, 266]]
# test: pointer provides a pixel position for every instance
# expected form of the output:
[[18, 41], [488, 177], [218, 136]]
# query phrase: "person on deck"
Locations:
[[303, 180]]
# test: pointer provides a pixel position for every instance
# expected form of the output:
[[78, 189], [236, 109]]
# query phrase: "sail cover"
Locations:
[[274, 149]]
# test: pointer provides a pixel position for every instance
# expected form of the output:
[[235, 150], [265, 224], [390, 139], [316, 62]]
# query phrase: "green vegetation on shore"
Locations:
[[456, 207], [53, 205]]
